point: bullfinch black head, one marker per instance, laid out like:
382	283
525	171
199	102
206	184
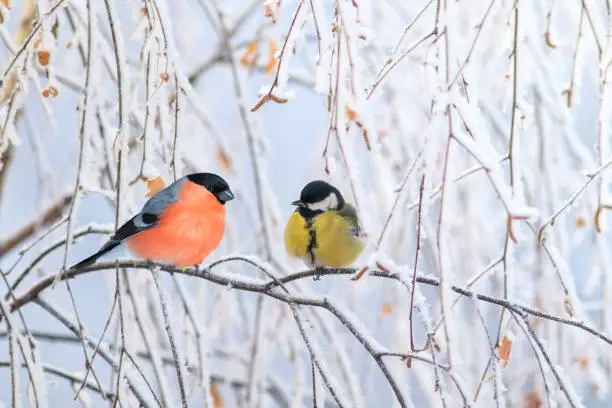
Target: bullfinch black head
318	196
213	183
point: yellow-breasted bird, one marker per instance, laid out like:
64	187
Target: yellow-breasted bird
323	230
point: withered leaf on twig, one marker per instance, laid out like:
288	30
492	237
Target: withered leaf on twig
155	186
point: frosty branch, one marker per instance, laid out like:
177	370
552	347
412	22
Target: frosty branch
268	288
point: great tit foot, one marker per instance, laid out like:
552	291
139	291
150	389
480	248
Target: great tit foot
318	273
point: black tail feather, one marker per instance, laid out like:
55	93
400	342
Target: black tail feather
90	260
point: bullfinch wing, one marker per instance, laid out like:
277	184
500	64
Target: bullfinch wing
145	219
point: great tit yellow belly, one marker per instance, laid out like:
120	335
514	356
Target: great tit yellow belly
323	230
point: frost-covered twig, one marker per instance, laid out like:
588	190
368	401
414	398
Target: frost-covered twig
267	287
107	356
270	94
565	387
178	362
329	381
164	391
255	156
479	28
83	139
14	358
392	63
71	377
590	177
42	19
92	229
416	262
252	140
48	216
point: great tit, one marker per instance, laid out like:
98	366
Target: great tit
323	230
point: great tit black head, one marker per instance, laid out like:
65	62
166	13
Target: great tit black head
319	196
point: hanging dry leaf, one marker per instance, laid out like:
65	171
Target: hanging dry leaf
267	11
49	91
568	95
223	159
216	396
583	362
504	350
548	40
386	309
597	218
155	186
271	9
580	222
350	113
272	48
43	57
532	400
249	57
366	139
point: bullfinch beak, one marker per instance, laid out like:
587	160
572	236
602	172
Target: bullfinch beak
298	203
226	195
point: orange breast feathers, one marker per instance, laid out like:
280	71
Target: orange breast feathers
187	231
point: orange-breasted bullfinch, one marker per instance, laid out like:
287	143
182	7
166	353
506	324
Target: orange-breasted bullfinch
180	225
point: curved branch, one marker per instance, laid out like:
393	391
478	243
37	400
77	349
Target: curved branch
266	287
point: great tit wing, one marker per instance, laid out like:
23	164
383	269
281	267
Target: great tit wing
350	213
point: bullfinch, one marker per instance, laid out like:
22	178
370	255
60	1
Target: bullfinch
323	230
180	225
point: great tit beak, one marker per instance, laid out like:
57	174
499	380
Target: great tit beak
226	195
298	203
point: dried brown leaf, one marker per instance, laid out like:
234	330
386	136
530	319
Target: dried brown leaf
504	350
272	62
216	396
386	309
548	40
532	400
351	114
249	58
223	159
49	92
568	95
43	57
598	216
583	362
155	186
